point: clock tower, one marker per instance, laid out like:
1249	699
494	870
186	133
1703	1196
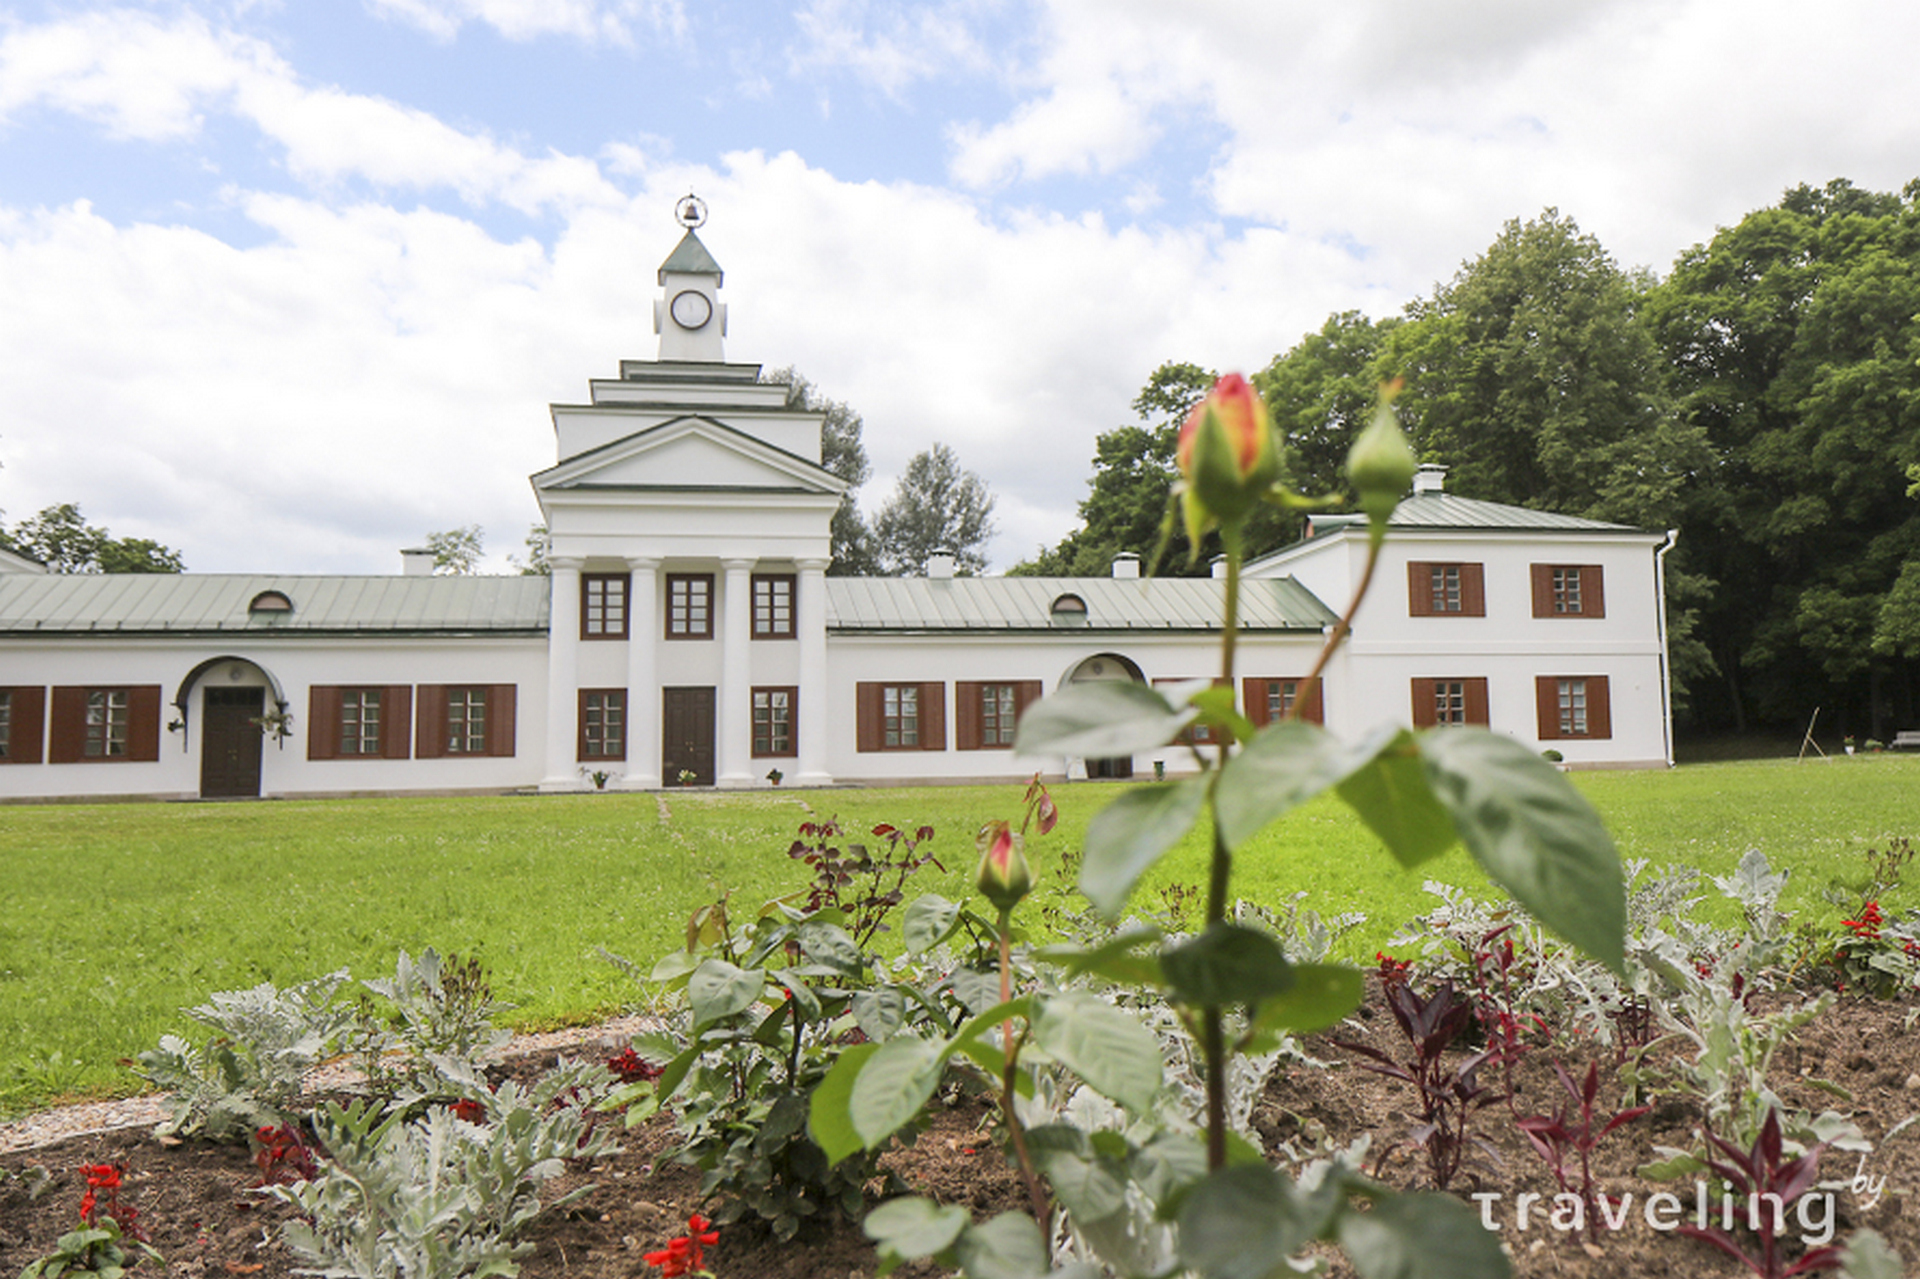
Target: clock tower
689	316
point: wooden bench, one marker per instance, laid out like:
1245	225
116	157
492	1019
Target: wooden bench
1906	739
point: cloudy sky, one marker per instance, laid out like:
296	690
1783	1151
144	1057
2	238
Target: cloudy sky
286	284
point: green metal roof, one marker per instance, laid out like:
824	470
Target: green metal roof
690	257
972	604
175	603
1450	511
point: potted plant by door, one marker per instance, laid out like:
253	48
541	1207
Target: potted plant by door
774	775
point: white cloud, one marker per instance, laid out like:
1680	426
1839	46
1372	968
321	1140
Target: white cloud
892	45
146	78
589	20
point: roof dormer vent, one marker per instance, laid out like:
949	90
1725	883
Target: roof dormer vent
1430	478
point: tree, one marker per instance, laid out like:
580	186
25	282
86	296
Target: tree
1792	339
1321	394
842	453
936	506
61	538
456	552
1133	473
1535	377
539	544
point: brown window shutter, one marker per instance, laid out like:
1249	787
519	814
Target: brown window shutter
1546	706
430	706
500	719
1419	589
966	715
1025	693
27	711
1477	700
1593	592
67	736
1424	714
580	725
143	723
793	718
1599	707
866	716
1253	700
1542	589
1473	590
396	727
323	721
933	716
1314	712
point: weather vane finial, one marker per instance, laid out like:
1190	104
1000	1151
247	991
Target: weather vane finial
691	211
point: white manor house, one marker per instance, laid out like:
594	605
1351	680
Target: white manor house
689	633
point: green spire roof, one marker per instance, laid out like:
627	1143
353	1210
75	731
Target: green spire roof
690	257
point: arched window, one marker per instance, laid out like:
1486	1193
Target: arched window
270	602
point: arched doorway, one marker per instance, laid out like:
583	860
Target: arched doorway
235	702
1107	667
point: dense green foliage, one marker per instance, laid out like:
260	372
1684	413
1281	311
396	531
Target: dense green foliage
1763	398
61	538
119	915
936	506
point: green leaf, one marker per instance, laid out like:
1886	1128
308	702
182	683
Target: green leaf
1242	1223
1393	796
879	1012
830	944
830	1114
1534	835
1321	995
929	921
1100	719
1281	768
1091	1187
1867	1256
973	988
893	1085
991	1019
718	990
1130	834
1429	1236
915	1227
1007	1247
1115	960
1227	964
1116	1055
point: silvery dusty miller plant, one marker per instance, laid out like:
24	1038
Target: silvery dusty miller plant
1232	1214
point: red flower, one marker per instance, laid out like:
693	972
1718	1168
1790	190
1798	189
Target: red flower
1867	927
1228	453
686	1254
1003	877
470	1110
632	1067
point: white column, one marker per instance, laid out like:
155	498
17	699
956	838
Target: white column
734	735
563	681
810	624
643	676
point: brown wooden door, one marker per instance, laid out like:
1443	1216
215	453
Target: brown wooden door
230	743
686	736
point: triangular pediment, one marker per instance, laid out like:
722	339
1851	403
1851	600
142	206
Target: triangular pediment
690	453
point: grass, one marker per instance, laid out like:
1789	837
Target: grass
116	916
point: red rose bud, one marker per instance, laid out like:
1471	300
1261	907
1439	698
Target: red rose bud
1003	877
1228	453
1380	463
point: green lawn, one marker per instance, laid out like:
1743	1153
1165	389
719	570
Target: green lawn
114	916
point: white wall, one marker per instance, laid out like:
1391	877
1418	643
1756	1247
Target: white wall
298	663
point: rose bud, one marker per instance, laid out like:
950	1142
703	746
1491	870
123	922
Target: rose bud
1003	877
1228	452
1380	463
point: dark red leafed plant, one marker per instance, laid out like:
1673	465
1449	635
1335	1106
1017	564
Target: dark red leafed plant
686	1255
852	880
1449	1093
283	1156
1493	964
1558	1138
469	1110
1392	971
632	1068
1767	1182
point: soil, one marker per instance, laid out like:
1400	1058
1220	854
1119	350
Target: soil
196	1200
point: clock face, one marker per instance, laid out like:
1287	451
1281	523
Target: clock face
691	310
